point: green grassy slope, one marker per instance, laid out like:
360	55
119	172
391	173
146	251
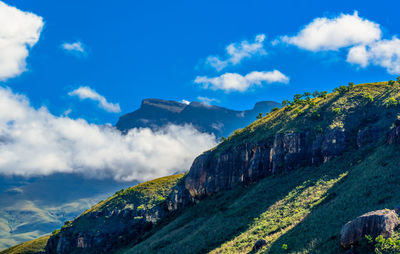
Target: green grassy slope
31	247
304	209
140	197
300	211
371	104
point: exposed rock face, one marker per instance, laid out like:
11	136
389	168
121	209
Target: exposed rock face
381	222
119	227
368	135
248	163
259	244
179	198
394	135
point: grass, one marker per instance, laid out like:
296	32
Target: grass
300	211
141	197
360	104
30	247
303	209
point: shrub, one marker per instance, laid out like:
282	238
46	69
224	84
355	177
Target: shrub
323	94
284	247
259	116
391	102
318	129
398	79
337	111
391	82
341	89
298	111
368	98
315	115
387	246
274	109
351	84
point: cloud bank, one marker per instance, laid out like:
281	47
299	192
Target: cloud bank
85	92
229	82
236	52
19	31
35	142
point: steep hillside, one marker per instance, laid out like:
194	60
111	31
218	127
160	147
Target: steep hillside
125	216
287	183
156	113
33	246
32	207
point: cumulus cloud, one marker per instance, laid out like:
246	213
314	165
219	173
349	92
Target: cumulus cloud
75	47
236	52
36	142
19	31
358	55
85	92
236	82
333	34
383	53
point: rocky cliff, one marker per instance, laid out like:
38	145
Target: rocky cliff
302	135
251	162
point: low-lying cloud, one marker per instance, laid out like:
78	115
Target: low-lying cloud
36	142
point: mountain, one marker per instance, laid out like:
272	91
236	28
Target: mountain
32	207
287	183
156	113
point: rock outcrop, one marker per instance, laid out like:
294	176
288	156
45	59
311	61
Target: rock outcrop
248	163
381	222
119	227
393	136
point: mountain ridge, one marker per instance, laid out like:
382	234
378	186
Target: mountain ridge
289	181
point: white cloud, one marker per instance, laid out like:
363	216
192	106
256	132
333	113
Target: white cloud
85	92
75	47
236	82
333	34
358	55
185	101
19	31
35	142
207	100
236	52
384	53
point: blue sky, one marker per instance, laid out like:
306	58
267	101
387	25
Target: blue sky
140	49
